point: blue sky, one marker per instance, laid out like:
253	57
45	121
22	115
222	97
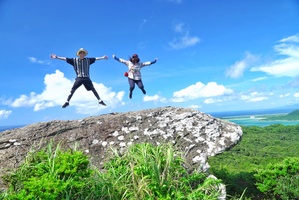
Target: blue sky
212	55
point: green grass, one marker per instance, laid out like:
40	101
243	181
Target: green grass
143	172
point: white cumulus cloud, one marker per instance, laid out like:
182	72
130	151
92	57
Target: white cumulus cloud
156	98
151	98
199	90
57	88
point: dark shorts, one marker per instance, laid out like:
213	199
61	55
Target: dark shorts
85	81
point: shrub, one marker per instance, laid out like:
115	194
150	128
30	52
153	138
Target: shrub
238	182
280	180
49	174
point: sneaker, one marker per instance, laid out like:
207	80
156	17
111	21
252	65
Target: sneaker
143	90
66	104
130	95
102	103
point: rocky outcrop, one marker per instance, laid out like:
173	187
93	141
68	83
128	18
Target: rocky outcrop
197	134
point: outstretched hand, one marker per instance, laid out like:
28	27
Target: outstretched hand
105	57
53	56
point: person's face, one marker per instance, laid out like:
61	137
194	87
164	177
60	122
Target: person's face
82	54
135	58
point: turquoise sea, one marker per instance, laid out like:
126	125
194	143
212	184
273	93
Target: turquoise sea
255	117
256	121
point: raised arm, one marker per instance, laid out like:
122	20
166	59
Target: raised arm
116	58
153	62
54	56
149	62
101	58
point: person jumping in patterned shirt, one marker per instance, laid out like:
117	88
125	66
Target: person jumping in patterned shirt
134	75
81	66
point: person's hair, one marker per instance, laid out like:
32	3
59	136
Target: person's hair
133	56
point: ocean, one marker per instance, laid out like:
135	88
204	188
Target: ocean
4	128
254	117
256	121
242	118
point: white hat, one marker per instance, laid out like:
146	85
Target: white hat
82	50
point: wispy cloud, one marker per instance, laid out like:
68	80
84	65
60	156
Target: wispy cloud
5	113
211	100
199	90
293	38
294	83
143	22
35	60
175	1
259	79
184	39
284	95
156	98
288	65
56	90
254	97
194	106
237	69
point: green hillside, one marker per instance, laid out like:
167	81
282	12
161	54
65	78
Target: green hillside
259	147
294	115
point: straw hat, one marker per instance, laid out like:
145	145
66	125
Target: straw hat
82	50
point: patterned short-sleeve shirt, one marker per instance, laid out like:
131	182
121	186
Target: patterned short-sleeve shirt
81	66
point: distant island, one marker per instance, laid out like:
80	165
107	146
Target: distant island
292	116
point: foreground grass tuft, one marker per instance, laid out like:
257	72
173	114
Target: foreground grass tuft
148	172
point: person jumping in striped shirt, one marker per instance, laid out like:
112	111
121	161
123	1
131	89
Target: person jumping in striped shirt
81	66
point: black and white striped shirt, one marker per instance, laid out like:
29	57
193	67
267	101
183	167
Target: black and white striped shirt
81	66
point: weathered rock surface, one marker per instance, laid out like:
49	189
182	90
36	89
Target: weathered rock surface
198	134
